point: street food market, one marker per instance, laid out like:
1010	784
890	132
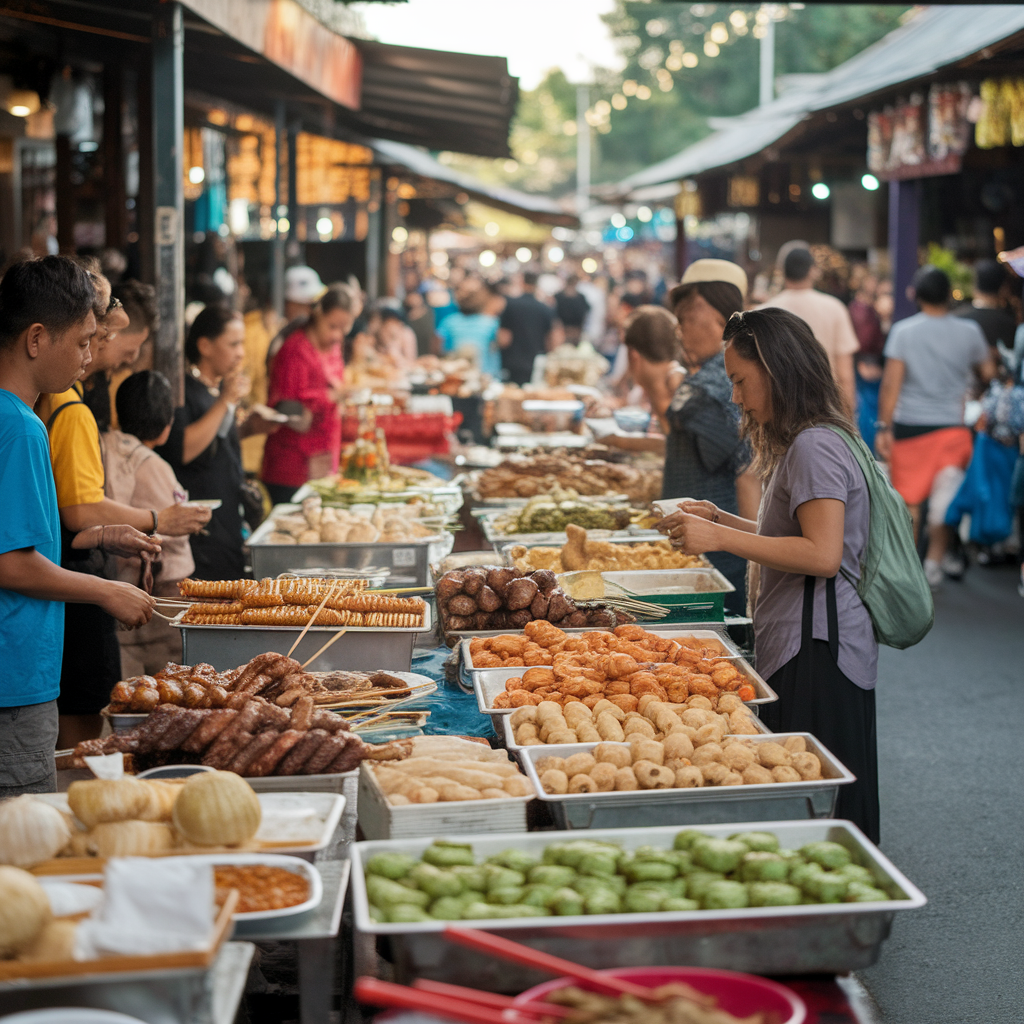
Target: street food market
510	515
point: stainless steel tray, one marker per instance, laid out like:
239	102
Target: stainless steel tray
646	807
829	938
407	561
645	537
510	738
361	649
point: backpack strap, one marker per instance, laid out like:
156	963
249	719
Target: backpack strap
60	408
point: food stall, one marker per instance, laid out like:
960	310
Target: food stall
555	741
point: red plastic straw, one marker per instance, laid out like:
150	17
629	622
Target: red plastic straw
505	949
475	995
383	993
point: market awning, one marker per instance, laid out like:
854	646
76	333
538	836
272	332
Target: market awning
533	207
432	98
936	38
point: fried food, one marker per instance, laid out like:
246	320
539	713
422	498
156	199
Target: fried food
579	552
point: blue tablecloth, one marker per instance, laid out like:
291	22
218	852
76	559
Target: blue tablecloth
452	710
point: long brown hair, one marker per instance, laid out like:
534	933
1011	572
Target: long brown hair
802	387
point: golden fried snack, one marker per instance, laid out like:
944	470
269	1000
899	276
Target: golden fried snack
582	784
774	755
194	619
783	773
625	780
738	756
554	781
222	589
755	775
807	764
653	776
290	615
795	744
603	774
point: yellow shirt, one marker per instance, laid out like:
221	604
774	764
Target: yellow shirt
257	342
74	448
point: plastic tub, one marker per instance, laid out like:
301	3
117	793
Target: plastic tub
742	995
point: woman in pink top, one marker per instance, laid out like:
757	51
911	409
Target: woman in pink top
305	378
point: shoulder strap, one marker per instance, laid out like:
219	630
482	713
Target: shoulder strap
60	409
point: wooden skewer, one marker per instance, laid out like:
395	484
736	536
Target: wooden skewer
322	649
305	629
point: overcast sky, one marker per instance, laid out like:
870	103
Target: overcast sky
535	35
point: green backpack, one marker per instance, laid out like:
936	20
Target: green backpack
892	581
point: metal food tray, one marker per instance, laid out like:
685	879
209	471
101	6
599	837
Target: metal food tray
407	561
510	738
649	537
449	496
645	807
556	538
361	649
488	683
831	938
379	820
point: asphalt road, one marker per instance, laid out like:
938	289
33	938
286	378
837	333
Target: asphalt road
951	739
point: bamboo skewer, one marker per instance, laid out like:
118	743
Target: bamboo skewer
322	649
305	629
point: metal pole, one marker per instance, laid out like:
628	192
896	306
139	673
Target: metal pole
582	149
280	199
168	145
767	91
904	232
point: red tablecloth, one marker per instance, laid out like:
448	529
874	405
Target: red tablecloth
411	436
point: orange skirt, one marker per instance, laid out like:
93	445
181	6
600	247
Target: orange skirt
916	461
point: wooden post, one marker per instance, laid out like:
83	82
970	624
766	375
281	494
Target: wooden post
145	209
280	200
115	212
168	113
65	197
904	232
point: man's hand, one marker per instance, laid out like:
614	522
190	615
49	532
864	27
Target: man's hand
129	605
127	542
179	520
693	534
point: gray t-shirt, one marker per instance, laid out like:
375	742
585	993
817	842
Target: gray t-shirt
818	465
940	353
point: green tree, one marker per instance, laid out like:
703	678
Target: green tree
688	62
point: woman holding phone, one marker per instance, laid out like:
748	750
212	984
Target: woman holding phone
815	642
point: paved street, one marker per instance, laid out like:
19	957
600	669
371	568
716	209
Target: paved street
951	720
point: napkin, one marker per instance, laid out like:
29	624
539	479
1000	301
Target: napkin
106	766
150	905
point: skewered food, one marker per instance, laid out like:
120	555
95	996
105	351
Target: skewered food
579	552
250	737
273	676
499	597
295	602
587	876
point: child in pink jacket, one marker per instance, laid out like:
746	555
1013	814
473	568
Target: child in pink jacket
137	476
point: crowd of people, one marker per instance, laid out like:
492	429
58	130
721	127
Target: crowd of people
117	491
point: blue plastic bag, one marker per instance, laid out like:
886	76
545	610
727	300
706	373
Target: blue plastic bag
985	493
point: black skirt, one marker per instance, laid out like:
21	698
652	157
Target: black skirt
815	697
91	666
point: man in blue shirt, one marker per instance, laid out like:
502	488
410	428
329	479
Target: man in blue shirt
46	321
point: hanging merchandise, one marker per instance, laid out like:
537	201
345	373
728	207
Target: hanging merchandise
879	139
908	148
1001	114
949	131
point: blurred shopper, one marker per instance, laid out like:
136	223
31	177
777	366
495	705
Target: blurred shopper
305	383
137	476
571	308
302	288
421	319
46	321
596	294
524	332
139	303
987	310
826	315
868	362
472	332
92	656
815	641
931	358
396	341
203	447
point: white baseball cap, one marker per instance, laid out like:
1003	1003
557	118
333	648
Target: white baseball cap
303	284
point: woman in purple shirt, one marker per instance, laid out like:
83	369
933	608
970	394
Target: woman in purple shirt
815	642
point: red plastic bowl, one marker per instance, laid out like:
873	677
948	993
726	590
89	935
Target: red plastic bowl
738	994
